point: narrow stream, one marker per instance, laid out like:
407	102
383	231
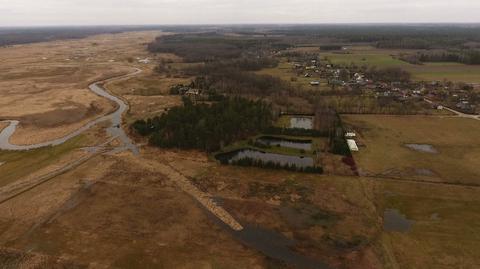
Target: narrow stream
115	129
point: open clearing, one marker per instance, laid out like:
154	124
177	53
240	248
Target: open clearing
385	152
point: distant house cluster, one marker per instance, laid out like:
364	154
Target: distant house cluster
459	96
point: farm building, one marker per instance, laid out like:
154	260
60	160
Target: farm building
352	145
315	83
350	134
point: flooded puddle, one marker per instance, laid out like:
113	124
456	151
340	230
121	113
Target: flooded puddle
394	221
301	122
286	143
232	157
422	148
435	216
424	172
114	130
277	246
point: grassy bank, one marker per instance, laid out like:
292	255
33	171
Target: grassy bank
18	164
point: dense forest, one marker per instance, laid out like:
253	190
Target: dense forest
406	36
206	127
209	47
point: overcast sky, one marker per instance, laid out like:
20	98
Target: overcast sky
110	12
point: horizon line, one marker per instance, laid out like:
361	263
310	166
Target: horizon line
240	24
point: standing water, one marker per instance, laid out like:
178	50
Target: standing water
286	143
394	221
301	122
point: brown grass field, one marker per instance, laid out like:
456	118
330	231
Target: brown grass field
123	211
385	154
445	216
445	229
44	85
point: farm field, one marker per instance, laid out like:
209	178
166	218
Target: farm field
429	71
454	142
444	230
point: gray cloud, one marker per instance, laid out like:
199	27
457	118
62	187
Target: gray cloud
94	12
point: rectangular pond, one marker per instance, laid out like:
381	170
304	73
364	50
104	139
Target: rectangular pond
283	160
287	143
301	122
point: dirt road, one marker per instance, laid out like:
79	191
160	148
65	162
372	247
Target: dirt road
458	113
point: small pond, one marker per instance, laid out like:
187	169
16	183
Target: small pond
394	221
299	161
301	122
287	143
422	148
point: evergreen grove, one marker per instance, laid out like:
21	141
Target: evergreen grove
207	127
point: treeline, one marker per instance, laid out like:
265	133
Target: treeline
388	35
23	35
296	132
392	74
206	127
465	57
331	47
406	43
372	105
246	161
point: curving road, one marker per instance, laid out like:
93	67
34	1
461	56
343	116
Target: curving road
115	130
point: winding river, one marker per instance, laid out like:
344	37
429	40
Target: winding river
114	130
